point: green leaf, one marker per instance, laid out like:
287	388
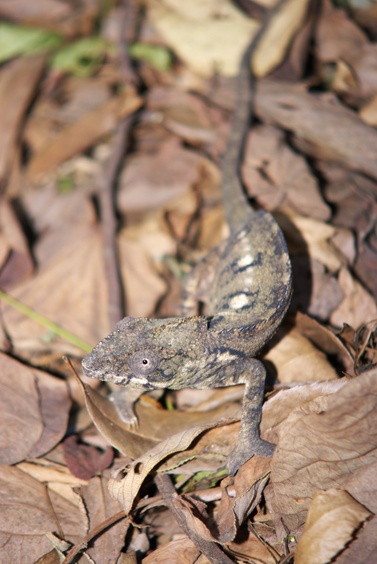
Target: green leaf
158	57
18	40
81	58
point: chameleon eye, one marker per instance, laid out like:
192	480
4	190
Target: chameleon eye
144	362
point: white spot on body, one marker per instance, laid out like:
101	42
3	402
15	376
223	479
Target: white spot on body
239	301
226	357
246	260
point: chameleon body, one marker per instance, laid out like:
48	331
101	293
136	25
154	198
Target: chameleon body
250	290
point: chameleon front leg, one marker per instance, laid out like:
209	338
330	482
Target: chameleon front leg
250	443
124	400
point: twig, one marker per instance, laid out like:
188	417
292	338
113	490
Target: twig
82	545
210	549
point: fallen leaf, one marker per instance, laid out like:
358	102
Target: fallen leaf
126	489
28	512
60	291
333	518
320	445
101	506
80	135
181	550
298	360
363	550
357	307
84	461
323	127
18	81
277	176
34	401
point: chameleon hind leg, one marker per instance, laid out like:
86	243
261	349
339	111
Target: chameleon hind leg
250	443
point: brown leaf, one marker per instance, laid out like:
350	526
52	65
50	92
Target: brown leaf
70	289
363	550
357	307
126	489
28	511
100	506
321	444
181	550
333	517
80	135
34	401
323	128
299	361
247	489
56	15
149	181
276	175
84	461
18	81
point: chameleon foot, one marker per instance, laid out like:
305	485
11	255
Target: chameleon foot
125	410
243	453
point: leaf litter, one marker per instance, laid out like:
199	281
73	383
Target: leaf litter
311	161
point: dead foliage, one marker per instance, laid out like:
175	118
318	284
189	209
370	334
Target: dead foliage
74	478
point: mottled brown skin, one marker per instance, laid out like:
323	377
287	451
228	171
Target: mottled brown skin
249	294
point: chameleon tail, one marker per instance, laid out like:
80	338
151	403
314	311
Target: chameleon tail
236	204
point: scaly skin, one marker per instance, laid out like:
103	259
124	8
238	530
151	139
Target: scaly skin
249	296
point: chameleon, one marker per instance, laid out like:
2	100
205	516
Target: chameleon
248	293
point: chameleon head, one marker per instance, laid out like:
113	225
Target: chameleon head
147	353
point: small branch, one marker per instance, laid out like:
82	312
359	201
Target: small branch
82	545
210	549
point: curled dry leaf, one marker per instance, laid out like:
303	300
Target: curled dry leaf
321	444
126	489
155	424
30	400
247	489
333	517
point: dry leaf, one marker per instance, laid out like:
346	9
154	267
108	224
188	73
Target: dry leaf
80	135
363	550
276	175
28	512
181	550
149	181
101	506
207	36
69	290
358	305
323	128
299	361
126	489
34	401
321	444
333	517
18	81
